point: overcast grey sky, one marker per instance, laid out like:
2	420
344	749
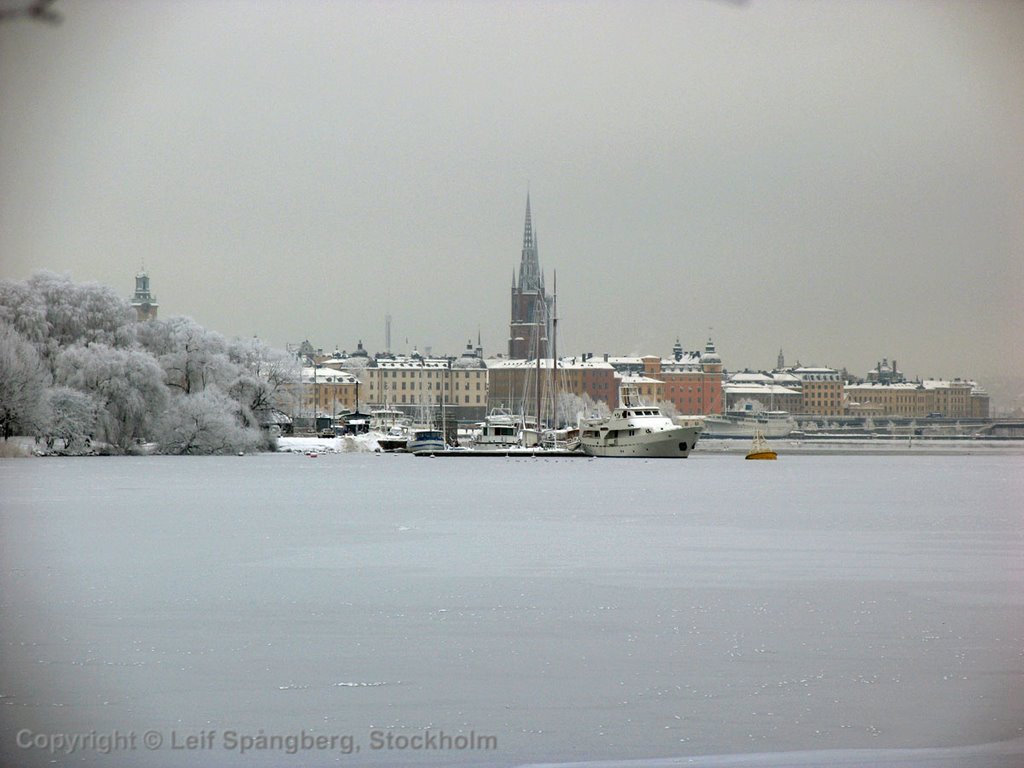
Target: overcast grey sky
844	180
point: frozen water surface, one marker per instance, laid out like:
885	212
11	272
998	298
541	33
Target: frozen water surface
818	610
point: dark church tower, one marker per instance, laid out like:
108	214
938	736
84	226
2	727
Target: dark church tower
144	302
531	306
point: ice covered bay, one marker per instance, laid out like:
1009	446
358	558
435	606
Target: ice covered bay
576	610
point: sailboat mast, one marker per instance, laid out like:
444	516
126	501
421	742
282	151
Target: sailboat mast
537	330
554	356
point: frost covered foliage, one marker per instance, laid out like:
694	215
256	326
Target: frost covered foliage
127	385
572	407
71	417
207	422
23	379
76	368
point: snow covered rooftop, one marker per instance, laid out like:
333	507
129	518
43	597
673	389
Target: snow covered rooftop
412	362
748	378
904	385
758	389
327	376
635	378
947	384
565	363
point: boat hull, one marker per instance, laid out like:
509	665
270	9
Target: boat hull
763	455
673	443
428	441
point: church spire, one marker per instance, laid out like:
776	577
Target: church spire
531	319
530	278
528	228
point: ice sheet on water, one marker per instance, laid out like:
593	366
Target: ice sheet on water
580	610
1003	754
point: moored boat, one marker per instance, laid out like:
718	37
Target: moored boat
760	449
425	440
392	428
747	423
636	430
502	429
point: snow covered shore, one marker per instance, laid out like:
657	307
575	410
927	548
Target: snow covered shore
366	443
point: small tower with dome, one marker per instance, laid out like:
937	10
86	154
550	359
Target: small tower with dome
710	362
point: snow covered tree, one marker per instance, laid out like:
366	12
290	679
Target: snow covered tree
82	313
127	385
70	417
116	378
668	408
23	380
572	406
23	309
203	423
192	357
264	374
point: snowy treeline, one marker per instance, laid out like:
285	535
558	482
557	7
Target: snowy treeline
75	366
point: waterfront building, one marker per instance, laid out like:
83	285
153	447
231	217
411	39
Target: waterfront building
747	395
512	384
979	403
872	398
323	391
950	399
412	380
420	384
532	309
468	384
692	380
821	391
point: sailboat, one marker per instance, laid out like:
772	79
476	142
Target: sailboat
760	449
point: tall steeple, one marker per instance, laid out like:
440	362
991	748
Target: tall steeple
530	278
532	309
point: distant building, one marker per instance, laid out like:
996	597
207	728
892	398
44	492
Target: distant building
755	392
532	309
324	391
419	384
692	380
143	302
884	373
821	391
512	384
802	390
650	390
954	399
872	398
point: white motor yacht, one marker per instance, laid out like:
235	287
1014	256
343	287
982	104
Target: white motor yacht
636	430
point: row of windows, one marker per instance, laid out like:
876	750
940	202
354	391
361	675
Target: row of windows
465	399
430	373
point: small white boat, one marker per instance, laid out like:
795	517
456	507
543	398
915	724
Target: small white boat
502	429
747	423
392	427
636	430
